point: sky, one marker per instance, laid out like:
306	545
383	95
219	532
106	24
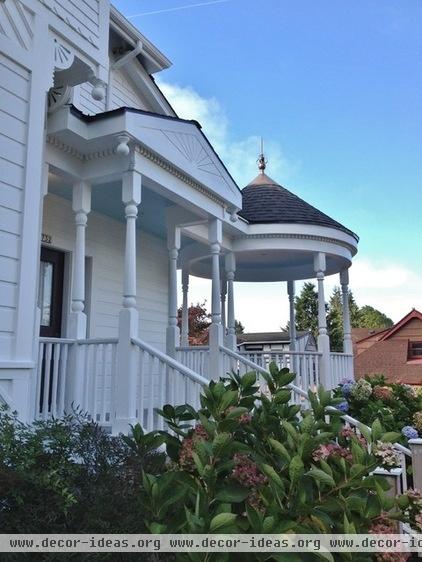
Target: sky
335	89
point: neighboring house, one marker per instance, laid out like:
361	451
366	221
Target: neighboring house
106	193
275	342
395	352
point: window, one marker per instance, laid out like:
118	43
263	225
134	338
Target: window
415	350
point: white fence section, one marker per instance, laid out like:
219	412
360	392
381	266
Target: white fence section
241	364
99	360
52	373
195	357
56	363
306	365
341	367
163	380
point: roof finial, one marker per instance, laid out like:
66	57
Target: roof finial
262	162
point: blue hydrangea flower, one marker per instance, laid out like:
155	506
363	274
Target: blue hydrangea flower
410	432
347	388
343	406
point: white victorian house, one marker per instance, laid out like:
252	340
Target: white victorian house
105	194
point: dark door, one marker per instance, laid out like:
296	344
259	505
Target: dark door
51	292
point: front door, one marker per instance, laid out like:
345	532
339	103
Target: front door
51	292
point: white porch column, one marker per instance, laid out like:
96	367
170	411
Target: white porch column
292	315
230	264
128	318
216	329
292	325
173	333
323	338
184	338
81	205
223	304
347	336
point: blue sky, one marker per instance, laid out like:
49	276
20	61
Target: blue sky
335	89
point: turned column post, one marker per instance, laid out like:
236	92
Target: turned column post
127	354
323	338
173	333
215	329
184	338
223	304
347	335
292	324
230	265
81	206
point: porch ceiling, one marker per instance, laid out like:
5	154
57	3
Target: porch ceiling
272	265
107	200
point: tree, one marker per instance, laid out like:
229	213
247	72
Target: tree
306	306
199	320
239	328
370	317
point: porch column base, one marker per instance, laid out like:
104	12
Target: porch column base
172	340
126	374
76	381
216	360
325	364
415	446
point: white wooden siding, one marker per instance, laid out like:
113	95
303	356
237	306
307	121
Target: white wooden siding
85	102
14	95
124	93
83	16
105	244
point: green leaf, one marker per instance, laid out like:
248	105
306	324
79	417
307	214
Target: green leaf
249	379
366	432
282	396
236	413
280	449
390	437
272	475
284	379
296	469
222	520
232	493
254	518
220	441
268	524
377	430
228	399
321	476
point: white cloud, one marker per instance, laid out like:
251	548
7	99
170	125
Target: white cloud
239	155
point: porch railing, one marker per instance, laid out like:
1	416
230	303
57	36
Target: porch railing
341	367
162	380
195	357
52	374
306	365
57	364
100	365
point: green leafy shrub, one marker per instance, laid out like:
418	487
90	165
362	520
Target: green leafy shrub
397	406
246	462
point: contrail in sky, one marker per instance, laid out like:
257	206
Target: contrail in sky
198	5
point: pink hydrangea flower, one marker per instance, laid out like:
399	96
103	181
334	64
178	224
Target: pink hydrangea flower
331	449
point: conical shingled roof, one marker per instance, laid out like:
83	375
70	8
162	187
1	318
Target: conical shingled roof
266	201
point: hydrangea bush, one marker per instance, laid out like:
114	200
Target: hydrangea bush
398	406
246	461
